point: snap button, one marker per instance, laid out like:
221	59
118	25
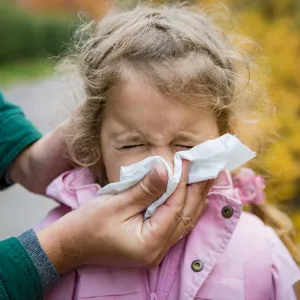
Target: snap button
197	265
227	212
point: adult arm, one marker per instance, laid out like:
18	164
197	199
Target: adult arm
110	229
25	270
16	134
107	228
25	157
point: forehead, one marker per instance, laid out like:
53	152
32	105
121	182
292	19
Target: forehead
139	96
137	106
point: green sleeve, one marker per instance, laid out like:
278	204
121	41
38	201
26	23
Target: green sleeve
16	133
19	279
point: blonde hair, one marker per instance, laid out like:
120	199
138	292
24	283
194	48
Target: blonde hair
180	52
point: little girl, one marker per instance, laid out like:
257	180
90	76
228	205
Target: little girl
158	81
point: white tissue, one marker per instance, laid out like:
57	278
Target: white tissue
207	161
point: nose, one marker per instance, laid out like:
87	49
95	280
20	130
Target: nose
167	154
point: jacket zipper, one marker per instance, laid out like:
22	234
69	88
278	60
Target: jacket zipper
154	295
168	258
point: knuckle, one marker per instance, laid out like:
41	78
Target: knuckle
178	215
199	187
187	222
145	189
183	183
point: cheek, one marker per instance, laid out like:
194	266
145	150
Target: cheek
112	169
114	160
111	164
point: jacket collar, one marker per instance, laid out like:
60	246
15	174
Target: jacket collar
211	235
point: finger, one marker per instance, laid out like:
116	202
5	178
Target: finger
196	202
158	229
177	199
209	185
194	198
169	243
181	230
142	195
165	220
204	203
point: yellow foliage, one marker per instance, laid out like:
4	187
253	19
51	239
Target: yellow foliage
279	37
296	219
283	172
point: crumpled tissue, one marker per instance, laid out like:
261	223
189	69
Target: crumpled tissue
208	159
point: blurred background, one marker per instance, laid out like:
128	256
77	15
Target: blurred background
34	33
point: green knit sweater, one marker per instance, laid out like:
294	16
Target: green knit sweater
19	278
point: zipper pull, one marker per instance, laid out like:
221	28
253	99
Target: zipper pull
153	296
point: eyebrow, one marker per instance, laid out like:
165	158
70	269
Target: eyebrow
185	135
189	137
126	137
132	137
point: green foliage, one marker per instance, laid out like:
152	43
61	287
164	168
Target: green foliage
27	36
23	71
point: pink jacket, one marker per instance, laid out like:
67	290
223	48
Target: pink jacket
229	255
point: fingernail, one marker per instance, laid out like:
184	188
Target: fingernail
159	178
186	164
160	171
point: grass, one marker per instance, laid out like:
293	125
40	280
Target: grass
25	71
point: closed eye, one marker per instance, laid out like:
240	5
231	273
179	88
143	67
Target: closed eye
184	146
131	146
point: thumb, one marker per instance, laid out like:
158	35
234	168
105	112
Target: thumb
148	190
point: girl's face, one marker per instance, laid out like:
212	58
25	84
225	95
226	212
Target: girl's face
139	122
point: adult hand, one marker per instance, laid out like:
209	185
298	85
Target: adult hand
41	163
112	228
